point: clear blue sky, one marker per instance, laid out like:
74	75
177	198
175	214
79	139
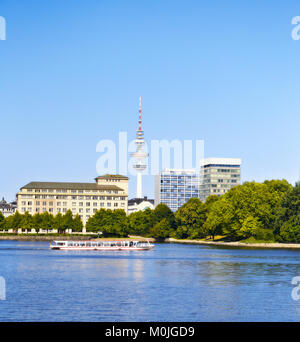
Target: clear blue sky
71	73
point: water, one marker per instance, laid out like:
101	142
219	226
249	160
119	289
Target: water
173	282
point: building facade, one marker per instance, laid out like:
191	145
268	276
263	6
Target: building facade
174	187
218	175
7	209
84	199
140	204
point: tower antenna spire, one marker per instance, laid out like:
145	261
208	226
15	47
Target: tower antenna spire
139	155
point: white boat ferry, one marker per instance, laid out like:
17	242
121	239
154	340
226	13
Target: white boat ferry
102	245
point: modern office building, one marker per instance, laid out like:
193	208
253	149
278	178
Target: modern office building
174	187
108	192
218	175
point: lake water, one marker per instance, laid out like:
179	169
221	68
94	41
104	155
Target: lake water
173	282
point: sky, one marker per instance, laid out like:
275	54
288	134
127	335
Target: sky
71	73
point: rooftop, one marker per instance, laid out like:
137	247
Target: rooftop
134	201
112	176
69	186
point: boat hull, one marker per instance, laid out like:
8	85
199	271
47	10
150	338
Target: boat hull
101	246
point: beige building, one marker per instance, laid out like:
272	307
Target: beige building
108	192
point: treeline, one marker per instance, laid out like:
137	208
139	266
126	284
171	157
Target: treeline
268	211
44	221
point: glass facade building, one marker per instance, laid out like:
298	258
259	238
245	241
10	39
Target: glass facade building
175	187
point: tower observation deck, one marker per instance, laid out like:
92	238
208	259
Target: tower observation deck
139	155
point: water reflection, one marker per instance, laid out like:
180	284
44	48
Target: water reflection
171	283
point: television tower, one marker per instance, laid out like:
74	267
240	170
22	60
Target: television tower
139	155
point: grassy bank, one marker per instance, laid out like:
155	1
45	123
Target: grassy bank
238	244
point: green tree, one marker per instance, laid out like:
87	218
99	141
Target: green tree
27	221
37	220
13	221
110	223
47	221
288	221
140	222
58	223
2	221
190	219
77	224
211	200
219	217
161	230
67	221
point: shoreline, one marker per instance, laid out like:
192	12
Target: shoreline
68	237
271	245
236	244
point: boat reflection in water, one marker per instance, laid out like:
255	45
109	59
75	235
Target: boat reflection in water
114	245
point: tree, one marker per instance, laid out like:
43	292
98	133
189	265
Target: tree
2	221
27	221
77	224
211	200
288	220
67	221
47	221
190	219
219	217
161	230
140	222
58	223
37	221
110	223
13	221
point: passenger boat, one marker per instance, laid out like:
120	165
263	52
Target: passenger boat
102	245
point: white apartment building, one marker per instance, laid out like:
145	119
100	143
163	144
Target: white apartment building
108	192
